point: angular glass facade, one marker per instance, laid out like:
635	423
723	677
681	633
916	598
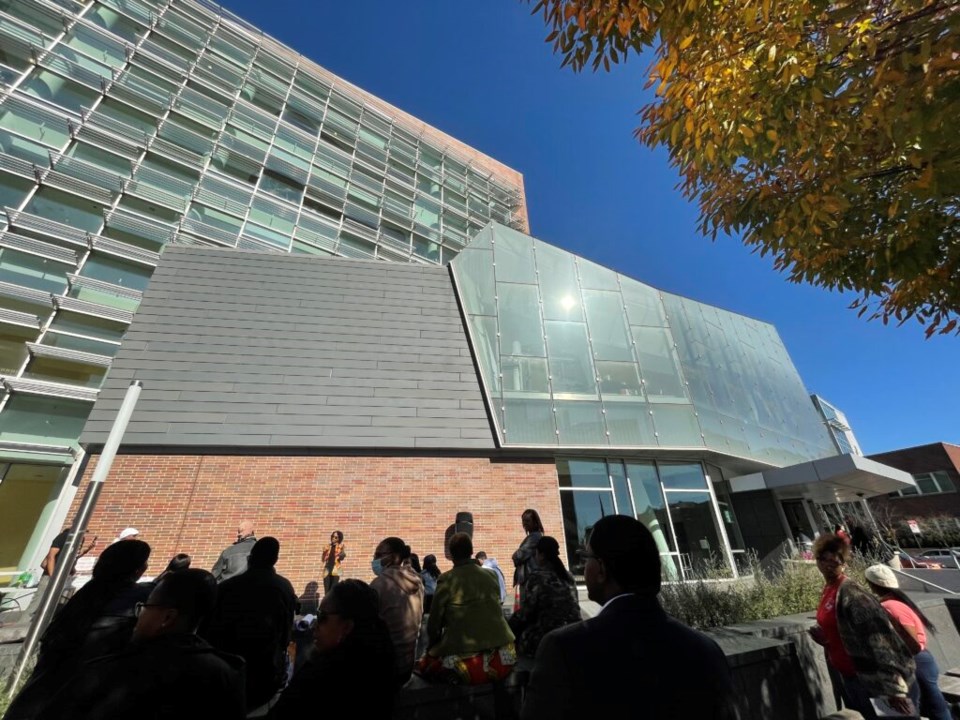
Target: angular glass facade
575	355
126	125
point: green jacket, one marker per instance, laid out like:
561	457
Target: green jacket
466	616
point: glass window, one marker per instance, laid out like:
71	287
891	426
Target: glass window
682	477
12	349
484	335
281	186
519	314
581	510
87	325
529	422
643	304
24	149
60	371
117	272
926	484
32	271
125	115
618	379
13	190
35	123
659	364
583	474
569	354
581	423
114	22
514	253
71	342
721	489
100	158
522	375
474	273
650	508
676	425
67	209
608	329
32	418
558	282
695	526
621	487
596	277
60	91
630	424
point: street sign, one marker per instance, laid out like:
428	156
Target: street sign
914	527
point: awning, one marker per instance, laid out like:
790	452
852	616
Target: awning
839	478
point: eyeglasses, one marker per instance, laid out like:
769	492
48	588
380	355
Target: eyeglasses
141	606
324	614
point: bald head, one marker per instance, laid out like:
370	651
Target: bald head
244	529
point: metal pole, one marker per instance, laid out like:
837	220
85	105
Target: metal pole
67	557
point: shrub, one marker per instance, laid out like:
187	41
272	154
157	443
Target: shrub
796	588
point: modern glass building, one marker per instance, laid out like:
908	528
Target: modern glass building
127	126
838	426
186	201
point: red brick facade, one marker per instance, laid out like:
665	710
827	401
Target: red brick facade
192	503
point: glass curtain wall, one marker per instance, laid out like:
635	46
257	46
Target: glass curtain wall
675	501
129	124
575	355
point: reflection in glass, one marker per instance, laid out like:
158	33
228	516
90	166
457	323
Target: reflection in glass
581	510
698	538
608	329
618	379
485	346
529	422
583	473
558	283
686	476
721	489
525	375
659	364
474	271
651	511
621	490
580	423
520	330
569	355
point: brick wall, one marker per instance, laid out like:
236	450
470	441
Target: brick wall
192	504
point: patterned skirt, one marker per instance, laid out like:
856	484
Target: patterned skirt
472	669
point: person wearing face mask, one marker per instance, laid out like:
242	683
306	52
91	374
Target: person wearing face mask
400	591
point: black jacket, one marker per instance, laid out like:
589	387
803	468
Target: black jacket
253	618
233	560
173	677
631	660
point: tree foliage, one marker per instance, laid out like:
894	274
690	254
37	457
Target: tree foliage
825	133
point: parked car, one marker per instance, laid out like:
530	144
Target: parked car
912	563
949	557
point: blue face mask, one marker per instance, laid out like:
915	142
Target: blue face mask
376	566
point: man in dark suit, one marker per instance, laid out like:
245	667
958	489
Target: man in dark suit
632	659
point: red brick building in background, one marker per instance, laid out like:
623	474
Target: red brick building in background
192	504
934	502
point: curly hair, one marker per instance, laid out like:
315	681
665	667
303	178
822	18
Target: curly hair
828	542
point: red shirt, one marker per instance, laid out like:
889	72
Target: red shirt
827	620
906	617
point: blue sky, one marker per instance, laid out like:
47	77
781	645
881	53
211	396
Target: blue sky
481	72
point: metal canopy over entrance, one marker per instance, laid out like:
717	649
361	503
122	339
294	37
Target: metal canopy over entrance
835	479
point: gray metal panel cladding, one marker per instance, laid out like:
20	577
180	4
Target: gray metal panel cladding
246	350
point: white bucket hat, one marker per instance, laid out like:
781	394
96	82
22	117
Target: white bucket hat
882	576
128	532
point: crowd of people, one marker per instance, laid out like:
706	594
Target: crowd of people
197	644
